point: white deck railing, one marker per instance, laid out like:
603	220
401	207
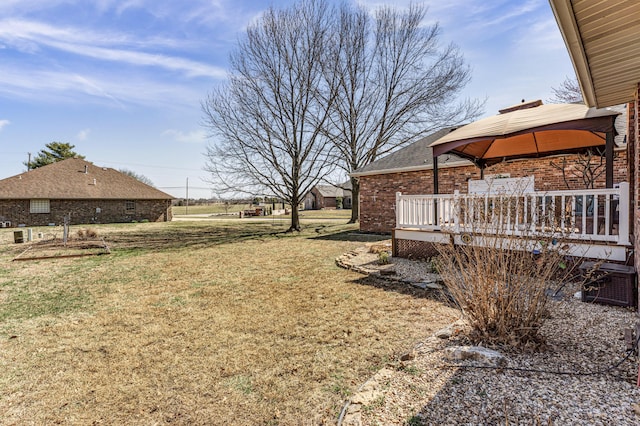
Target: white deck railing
590	214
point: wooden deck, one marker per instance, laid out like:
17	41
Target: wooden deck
590	223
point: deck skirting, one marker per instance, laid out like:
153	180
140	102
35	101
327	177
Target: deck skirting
421	244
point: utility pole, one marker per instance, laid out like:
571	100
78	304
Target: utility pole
187	200
29	161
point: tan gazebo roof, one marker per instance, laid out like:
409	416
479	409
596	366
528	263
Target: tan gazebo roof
534	131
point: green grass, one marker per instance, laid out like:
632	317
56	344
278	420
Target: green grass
213	208
25	303
218	209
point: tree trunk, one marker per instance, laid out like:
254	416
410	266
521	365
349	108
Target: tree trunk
355	200
295	216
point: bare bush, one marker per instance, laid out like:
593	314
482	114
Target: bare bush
86	234
498	280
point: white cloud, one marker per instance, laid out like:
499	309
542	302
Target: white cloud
63	87
31	36
194	136
4	123
83	134
546	35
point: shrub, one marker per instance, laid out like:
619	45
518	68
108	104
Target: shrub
499	282
85	234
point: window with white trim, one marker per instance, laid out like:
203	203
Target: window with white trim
39	206
130	206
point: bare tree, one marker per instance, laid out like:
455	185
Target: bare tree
268	119
568	92
584	170
395	85
142	178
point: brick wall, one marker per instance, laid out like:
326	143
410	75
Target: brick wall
634	141
85	212
378	192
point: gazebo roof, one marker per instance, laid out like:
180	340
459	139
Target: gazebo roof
534	130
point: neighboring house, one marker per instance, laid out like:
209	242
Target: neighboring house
410	171
85	192
326	197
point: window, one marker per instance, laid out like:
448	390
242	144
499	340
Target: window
130	206
39	206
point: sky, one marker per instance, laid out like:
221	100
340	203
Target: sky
123	80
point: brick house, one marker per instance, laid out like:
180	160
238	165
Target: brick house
410	171
326	197
86	192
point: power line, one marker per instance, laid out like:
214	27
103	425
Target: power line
182	187
145	165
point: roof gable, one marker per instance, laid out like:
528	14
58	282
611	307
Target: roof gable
331	191
75	178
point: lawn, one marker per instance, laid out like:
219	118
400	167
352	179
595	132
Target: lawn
218	209
198	323
211	208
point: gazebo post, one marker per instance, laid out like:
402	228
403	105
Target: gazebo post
436	190
608	152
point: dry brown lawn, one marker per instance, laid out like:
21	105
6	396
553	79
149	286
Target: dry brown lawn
191	323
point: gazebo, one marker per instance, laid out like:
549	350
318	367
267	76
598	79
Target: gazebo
595	221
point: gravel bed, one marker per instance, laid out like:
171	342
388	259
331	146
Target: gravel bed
576	387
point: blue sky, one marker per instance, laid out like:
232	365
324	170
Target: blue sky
122	80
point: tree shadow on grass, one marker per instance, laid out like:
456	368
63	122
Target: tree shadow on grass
189	237
349	236
403	288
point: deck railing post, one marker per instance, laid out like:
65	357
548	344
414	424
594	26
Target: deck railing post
456	211
623	214
399	210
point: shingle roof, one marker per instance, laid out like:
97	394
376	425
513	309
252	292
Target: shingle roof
67	180
330	191
417	156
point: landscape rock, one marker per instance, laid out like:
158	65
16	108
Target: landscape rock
370	391
408	356
430	285
387	270
476	353
451	330
444	333
434	285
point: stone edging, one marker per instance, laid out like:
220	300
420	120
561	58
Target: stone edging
370	390
386	272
